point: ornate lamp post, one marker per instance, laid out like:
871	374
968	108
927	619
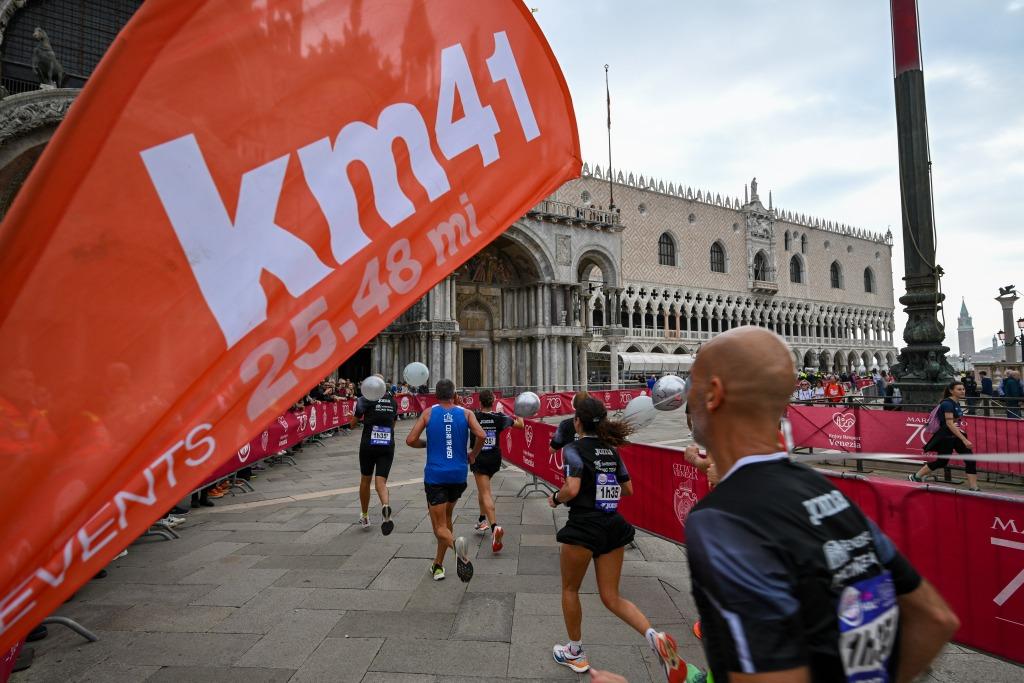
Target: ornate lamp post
922	368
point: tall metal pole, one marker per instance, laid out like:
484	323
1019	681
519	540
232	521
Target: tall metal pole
922	369
611	190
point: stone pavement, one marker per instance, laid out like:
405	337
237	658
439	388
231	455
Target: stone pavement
279	585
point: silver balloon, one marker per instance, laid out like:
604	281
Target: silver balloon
416	374
669	393
527	404
639	412
373	388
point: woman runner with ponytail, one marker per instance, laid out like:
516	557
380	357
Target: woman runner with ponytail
595	478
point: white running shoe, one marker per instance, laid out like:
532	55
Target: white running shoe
482	526
364	522
463	567
564	656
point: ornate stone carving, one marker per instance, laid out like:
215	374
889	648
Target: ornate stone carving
24	112
563	250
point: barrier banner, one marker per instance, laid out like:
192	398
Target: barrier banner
854	429
971	547
9	658
242	196
665	486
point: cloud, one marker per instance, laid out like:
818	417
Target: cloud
1015	6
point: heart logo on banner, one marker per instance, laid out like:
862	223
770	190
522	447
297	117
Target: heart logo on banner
844	421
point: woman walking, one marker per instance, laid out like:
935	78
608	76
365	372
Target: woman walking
595	480
950	438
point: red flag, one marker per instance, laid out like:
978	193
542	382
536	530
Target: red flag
239	199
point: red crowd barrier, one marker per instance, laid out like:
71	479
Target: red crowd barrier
8	659
970	546
854	429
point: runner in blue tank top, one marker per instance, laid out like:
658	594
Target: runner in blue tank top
448	427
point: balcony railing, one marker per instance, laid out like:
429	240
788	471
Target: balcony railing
564	212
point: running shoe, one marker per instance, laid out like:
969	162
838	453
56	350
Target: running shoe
496	535
482	526
914	477
364	522
564	656
437	571
676	670
387	526
463	567
698	632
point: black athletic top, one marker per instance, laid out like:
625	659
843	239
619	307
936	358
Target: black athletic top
948	405
565	433
601	472
378	424
787	572
493	425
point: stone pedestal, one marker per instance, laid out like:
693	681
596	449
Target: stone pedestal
1009	325
614	335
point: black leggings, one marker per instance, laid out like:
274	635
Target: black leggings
948	446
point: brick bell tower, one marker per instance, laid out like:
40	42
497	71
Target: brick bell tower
965	330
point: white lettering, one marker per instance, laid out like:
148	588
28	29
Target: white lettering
227	258
88	540
191	444
326	170
44	574
825	505
121	498
15	599
1010	526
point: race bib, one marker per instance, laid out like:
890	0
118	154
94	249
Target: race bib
868	619
380	436
490	438
606	498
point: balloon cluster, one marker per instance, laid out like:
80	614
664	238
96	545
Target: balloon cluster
669	393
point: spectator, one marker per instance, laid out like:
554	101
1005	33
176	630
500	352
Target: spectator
651	381
971	387
834	390
986	385
805	392
1013	391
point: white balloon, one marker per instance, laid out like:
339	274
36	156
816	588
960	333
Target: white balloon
527	404
416	374
669	393
373	388
639	412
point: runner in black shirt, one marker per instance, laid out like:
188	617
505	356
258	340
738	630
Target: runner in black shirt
376	453
595	480
488	463
792	581
565	433
950	438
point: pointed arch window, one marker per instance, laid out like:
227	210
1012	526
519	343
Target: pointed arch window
796	270
717	258
787	240
869	281
837	275
803	244
666	250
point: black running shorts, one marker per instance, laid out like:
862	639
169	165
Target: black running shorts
598	532
370	460
486	463
439	494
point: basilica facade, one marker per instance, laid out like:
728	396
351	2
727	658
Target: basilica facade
574	284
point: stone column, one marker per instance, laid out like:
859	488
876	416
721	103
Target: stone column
1009	325
582	374
567	375
436	360
613	336
546	293
538	363
667	316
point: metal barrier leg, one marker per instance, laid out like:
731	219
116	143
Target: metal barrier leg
165	533
73	625
536	486
860	467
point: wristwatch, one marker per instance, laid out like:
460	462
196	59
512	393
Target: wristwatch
554	498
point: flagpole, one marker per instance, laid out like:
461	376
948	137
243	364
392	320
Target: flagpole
608	93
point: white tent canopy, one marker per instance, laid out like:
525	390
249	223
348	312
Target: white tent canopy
655	363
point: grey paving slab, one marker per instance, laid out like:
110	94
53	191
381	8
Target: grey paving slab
266	536
264	611
206	554
176	618
338	659
58	659
399	574
303	562
538	560
447	657
496	565
221	571
113	672
405	624
485	616
323	532
186	649
534	661
244	586
659	550
516	584
438	596
277	549
325	578
288	644
136	593
351	598
219	674
625	660
378	677
371	556
599	627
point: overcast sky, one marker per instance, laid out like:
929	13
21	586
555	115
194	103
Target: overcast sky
800	94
